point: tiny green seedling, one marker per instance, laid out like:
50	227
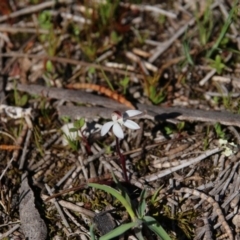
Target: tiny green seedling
115	38
49	66
180	126
19	100
218	64
218	129
169	130
124	83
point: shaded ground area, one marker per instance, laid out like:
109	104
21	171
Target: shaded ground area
66	66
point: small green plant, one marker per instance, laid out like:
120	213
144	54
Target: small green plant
49	66
151	89
169	130
156	97
71	132
137	214
107	11
19	100
180	126
218	64
115	38
124	83
44	20
218	129
205	24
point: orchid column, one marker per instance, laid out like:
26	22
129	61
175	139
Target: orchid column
119	120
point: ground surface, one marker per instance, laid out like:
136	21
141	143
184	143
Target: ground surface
176	61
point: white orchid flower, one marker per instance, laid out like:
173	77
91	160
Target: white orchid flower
118	120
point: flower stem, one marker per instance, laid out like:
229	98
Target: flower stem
122	160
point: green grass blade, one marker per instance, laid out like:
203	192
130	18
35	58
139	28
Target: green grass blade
187	53
138	233
119	230
154	226
223	31
92	233
142	204
117	195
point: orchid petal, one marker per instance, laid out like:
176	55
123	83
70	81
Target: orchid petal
132	113
106	127
117	130
131	124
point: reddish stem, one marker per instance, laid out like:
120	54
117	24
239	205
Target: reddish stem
85	140
122	160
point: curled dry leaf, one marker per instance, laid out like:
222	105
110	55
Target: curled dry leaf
33	226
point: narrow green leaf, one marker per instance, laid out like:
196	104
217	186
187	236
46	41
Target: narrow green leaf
154	226
138	233
92	233
119	230
154	197
187	53
124	193
142	204
117	195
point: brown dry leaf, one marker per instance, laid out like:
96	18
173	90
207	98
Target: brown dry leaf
33	226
